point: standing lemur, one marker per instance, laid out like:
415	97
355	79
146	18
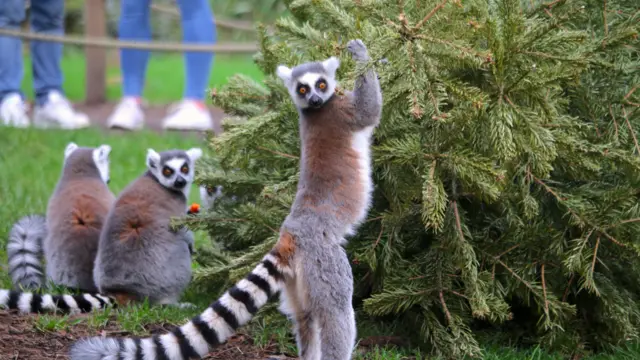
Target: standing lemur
68	236
139	255
307	266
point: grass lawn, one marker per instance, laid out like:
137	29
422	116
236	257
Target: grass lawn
32	160
165	75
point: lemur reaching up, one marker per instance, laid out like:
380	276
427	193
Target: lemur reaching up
307	266
68	236
138	256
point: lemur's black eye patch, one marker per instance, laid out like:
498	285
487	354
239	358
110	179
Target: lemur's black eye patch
302	89
321	84
167	171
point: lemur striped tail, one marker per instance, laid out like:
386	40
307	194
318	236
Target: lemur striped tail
24	251
197	337
27	302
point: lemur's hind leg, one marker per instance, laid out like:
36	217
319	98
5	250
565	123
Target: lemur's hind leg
305	326
367	96
307	336
338	334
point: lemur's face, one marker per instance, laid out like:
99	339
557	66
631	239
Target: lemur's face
310	84
208	194
174	169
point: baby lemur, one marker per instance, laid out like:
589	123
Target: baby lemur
75	214
140	256
307	266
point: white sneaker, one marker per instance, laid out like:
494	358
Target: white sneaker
57	112
188	115
127	115
13	111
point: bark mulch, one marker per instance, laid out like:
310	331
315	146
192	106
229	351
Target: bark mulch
21	340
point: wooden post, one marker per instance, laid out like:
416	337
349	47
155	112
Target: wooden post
95	25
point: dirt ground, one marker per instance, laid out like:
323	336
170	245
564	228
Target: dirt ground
20	340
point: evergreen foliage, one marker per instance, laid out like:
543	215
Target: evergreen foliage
506	166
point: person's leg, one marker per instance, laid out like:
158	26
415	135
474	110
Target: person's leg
134	24
12	13
52	108
47	16
12	106
198	27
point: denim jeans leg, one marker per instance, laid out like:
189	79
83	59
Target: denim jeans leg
12	13
47	17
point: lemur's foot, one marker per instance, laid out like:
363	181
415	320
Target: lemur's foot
358	50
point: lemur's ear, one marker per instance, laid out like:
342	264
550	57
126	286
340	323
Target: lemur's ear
71	147
194	154
331	65
284	73
104	151
153	158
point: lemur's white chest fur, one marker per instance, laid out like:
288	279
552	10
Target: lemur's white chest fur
361	144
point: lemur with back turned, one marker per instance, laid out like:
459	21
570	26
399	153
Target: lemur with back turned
308	266
68	236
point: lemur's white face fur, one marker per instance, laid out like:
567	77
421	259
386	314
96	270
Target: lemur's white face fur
100	157
208	194
174	169
310	84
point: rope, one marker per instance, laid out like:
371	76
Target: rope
229	24
139	45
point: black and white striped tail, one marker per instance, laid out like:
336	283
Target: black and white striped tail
196	338
27	302
24	252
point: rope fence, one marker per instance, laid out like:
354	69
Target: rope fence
128	44
95	41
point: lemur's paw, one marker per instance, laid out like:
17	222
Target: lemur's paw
358	50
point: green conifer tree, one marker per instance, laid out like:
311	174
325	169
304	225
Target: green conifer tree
506	166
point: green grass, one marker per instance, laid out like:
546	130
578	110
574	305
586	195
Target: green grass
164	81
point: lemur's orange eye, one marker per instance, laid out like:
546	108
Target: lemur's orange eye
322	86
302	90
167	171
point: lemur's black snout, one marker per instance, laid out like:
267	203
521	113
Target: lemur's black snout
315	101
180	183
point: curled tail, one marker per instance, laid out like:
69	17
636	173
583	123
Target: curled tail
27	302
197	337
24	251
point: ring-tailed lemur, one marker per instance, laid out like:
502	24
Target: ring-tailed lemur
140	256
209	194
308	265
75	214
24	251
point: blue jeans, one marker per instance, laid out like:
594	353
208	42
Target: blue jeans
197	27
47	16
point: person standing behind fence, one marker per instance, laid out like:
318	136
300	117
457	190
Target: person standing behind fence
197	27
52	109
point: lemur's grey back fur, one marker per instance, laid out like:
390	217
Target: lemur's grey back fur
75	214
308	265
24	251
140	256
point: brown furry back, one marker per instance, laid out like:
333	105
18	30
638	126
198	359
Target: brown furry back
75	215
